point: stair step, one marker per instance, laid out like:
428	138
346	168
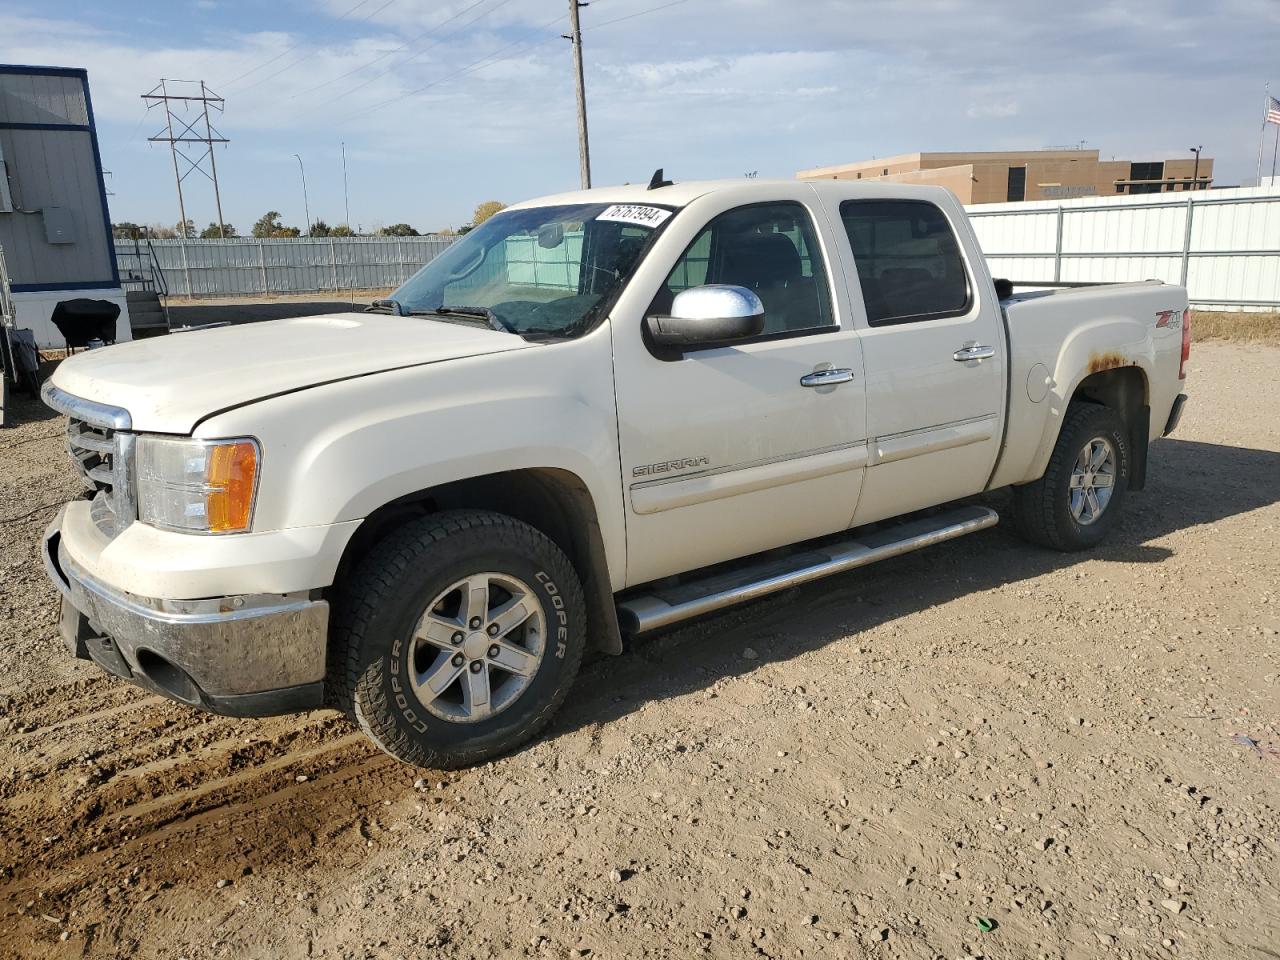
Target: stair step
148	321
663	606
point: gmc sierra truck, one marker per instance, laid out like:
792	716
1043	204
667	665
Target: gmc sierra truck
595	415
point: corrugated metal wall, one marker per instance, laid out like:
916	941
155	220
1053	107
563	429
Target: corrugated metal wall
50	160
1224	245
251	267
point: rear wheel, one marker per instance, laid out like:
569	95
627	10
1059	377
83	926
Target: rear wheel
457	638
1074	505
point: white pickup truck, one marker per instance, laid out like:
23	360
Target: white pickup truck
595	415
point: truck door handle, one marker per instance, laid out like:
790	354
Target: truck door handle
975	352
826	378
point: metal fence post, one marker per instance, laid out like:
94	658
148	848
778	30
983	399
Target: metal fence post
262	264
399	262
186	267
1057	250
1186	242
333	262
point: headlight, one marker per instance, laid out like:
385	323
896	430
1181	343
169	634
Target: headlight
199	486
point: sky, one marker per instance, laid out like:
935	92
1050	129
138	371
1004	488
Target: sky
442	104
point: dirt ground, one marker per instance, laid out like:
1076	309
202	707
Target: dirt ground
1081	753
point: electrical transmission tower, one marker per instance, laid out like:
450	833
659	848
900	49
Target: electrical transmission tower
191	113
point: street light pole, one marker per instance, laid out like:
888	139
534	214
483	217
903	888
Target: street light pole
306	206
346	206
1195	175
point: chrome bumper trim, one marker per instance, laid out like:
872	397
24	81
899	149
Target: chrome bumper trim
227	646
117	418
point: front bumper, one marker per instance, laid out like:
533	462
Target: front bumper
242	656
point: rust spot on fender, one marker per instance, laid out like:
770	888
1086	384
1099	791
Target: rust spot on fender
1106	361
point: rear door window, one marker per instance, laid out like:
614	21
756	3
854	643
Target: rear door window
908	260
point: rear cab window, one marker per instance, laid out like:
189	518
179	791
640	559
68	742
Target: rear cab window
908	259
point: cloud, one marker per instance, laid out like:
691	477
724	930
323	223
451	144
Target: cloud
1007	109
443	102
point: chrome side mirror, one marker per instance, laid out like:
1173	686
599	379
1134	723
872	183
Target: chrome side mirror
709	315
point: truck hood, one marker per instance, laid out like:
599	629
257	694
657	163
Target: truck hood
168	384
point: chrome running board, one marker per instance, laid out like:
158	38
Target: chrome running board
667	605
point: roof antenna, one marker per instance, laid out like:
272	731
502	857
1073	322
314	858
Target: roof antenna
657	181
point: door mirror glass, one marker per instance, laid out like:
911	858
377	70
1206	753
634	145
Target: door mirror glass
708	315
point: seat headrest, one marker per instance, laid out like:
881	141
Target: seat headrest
755	260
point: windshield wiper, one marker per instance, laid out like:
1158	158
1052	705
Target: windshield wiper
484	313
386	305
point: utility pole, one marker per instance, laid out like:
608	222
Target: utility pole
1195	174
182	144
346	207
305	205
575	37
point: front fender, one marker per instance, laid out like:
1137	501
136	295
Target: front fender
338	452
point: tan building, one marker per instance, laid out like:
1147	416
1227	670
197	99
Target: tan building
1004	176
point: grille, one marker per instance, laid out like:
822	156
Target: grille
93	450
102	450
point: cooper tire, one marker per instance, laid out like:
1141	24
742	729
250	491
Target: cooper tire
1045	510
380	653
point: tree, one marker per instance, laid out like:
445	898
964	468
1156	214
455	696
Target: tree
124	230
186	228
211	232
320	229
268	225
486	210
399	230
158	231
342	230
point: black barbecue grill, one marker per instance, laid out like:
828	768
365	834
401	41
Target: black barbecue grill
82	320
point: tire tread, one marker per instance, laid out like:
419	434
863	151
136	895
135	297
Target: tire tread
358	691
1035	504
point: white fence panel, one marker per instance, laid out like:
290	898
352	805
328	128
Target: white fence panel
1224	245
280	265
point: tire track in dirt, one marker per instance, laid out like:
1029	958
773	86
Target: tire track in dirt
108	807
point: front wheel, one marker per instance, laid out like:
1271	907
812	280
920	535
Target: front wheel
1075	503
457	638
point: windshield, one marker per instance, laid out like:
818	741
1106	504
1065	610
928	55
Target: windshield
538	271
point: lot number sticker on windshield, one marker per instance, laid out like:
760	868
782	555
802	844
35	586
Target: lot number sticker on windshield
634	213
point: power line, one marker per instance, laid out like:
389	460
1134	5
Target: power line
424	50
494	58
389	53
472	67
632	16
289	66
292	47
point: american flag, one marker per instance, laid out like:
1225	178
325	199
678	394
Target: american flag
1273	110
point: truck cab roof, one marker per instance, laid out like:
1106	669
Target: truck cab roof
684	193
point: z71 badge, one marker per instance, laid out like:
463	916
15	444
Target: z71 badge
1169	318
666	466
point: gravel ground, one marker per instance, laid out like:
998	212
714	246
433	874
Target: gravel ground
984	735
